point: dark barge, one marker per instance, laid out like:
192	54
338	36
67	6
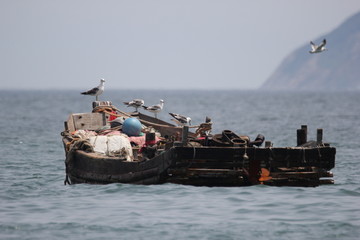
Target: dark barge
170	154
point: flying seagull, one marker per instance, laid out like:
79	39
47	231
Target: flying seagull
96	91
136	103
180	119
318	48
155	108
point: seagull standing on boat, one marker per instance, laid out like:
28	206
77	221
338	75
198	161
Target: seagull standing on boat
155	108
180	119
96	91
318	48
136	103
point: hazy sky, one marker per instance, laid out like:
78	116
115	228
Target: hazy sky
156	44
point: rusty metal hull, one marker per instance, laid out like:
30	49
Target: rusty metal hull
239	166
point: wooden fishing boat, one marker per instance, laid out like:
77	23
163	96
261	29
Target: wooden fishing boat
171	154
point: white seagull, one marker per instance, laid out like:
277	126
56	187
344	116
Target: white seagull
136	103
180	119
318	48
155	108
96	91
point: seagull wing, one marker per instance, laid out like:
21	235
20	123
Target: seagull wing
313	46
180	118
154	108
138	102
174	115
91	91
129	104
322	44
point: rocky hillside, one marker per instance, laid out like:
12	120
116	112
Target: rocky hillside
335	69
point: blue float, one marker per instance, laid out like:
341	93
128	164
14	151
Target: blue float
132	127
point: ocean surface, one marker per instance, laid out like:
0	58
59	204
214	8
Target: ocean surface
35	203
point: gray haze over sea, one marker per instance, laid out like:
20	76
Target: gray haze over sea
35	204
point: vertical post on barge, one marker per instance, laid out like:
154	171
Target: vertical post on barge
302	135
319	135
184	136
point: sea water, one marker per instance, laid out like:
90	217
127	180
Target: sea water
35	203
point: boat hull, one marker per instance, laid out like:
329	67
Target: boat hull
83	167
239	166
208	166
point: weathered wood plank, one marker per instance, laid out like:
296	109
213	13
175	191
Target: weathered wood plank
89	121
